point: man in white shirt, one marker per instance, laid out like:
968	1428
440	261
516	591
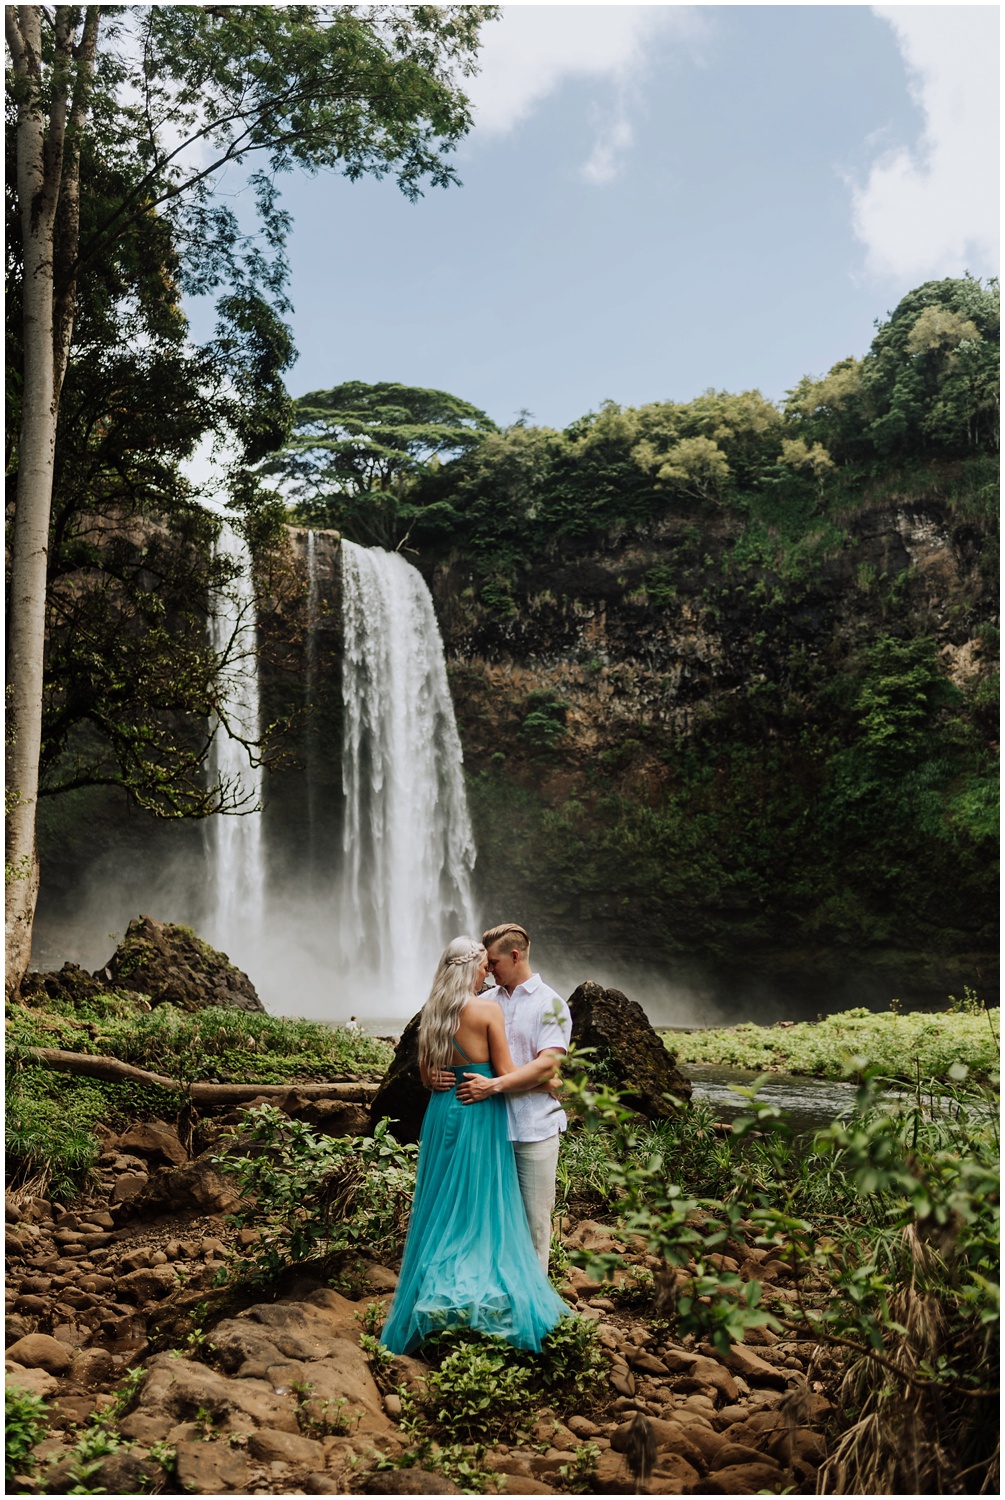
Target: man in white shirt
538	1029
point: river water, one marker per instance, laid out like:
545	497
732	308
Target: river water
809	1103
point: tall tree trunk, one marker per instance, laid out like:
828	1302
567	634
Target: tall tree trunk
44	168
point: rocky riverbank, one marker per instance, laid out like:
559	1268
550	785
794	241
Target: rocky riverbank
274	1395
194	1293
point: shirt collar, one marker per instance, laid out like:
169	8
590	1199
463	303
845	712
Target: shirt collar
528	987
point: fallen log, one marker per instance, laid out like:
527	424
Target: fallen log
111	1070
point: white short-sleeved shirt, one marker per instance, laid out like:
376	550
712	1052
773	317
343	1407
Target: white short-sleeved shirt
536	1017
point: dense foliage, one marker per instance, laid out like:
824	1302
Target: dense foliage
782	739
926	389
890	1228
357	452
51	1117
133	689
897	1046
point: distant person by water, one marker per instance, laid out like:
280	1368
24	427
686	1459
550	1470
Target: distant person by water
469	1258
352	1024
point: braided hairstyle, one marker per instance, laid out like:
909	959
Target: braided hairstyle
453	982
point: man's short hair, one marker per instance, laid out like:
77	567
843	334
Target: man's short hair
510	933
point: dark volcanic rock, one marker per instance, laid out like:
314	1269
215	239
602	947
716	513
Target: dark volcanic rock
169	963
401	1094
628	1047
71	984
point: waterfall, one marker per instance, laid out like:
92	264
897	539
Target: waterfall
408	849
311	745
234	842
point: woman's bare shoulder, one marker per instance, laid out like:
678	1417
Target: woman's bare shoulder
482	1008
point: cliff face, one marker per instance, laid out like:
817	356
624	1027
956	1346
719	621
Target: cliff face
651	737
673	760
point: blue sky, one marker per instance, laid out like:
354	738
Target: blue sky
659	199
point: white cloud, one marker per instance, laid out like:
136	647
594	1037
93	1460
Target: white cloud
603	162
933	210
533	49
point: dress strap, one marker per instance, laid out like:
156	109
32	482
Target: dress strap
461	1050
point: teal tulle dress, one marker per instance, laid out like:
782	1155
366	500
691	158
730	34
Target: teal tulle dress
469	1260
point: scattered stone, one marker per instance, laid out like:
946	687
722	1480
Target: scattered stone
669	1436
92	1367
34	1382
146	1429
181	1387
321	1484
589	1235
742	1479
268	1444
41	1352
197	1185
629	1048
582	1427
731	1454
15	1328
32	1305
212	1468
408	1482
156	1140
129	1185
523	1484
752	1367
148	1284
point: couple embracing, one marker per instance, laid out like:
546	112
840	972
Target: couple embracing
478	1239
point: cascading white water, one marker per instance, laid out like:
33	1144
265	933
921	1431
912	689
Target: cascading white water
234	842
408	848
311	747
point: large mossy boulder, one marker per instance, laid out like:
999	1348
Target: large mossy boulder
627	1049
169	964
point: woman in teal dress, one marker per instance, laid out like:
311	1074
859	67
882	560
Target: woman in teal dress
469	1261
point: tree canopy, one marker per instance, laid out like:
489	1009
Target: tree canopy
357	450
122	121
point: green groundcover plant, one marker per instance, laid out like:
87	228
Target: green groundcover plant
52	1144
899	1046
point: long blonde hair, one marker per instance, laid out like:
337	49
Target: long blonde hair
453	982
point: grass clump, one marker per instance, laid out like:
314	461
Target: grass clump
898	1046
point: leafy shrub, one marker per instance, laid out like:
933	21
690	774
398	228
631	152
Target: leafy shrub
544	719
51	1146
482	1388
228	1045
51	1143
26	1425
315	1194
478	1393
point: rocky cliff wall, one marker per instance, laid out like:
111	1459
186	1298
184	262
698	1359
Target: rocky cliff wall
627	658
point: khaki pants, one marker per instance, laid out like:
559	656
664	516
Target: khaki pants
536	1163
